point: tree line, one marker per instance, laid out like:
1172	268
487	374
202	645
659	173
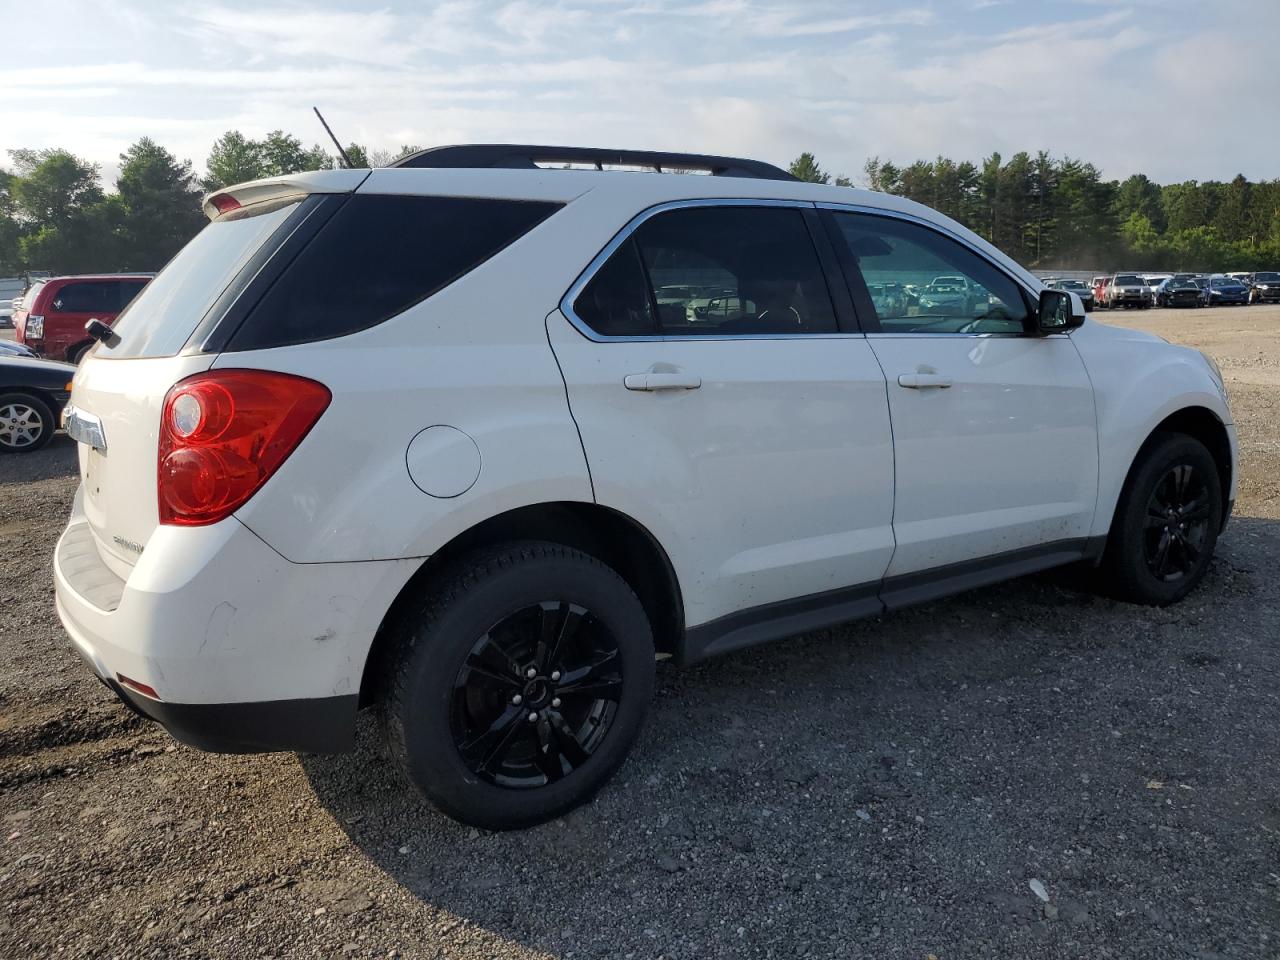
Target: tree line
1060	214
56	216
1048	213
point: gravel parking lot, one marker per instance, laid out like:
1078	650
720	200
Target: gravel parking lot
909	787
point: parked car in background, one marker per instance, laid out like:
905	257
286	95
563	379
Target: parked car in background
10	288
11	348
1099	286
1264	287
479	481
1240	275
1177	293
54	311
1153	280
32	395
1078	287
1220	290
1127	290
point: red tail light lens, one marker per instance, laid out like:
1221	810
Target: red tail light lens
223	433
224	202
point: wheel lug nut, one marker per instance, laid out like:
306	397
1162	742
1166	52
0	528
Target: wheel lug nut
533	717
531	673
555	702
555	674
516	699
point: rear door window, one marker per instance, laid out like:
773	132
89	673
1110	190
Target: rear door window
87	296
376	257
718	271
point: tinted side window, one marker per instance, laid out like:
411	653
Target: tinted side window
616	302
727	271
711	271
99	296
129	290
921	281
378	256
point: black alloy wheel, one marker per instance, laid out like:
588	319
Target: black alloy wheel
1166	523
517	682
536	695
1177	523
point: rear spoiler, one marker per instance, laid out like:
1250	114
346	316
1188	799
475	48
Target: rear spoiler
296	185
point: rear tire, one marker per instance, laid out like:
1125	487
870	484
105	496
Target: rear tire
460	691
26	423
76	353
1166	524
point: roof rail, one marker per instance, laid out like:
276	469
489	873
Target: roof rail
528	156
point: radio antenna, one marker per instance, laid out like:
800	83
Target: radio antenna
346	161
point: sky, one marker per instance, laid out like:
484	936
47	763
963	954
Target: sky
1175	89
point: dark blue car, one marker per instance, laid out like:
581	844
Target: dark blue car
1222	290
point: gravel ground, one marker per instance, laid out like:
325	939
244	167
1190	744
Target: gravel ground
1023	771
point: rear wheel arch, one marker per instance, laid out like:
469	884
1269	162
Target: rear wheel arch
75	353
610	536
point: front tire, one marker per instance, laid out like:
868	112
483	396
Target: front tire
522	681
26	423
1166	523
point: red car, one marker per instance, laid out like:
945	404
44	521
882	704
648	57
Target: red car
54	311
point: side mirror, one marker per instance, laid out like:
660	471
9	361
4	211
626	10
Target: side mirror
1059	312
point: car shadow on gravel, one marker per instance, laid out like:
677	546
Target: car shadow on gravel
893	786
57	460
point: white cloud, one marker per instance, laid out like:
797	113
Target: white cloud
766	78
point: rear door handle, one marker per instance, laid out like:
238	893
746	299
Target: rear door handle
653	382
923	381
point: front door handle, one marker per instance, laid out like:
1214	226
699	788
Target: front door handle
653	382
923	381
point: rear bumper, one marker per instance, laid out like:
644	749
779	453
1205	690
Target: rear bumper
246	651
322	725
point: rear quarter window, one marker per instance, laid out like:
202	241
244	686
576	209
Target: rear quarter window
376	257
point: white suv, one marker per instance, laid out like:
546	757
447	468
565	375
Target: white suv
428	438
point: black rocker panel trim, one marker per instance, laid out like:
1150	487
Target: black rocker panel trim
786	618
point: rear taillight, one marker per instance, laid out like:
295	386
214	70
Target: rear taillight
223	433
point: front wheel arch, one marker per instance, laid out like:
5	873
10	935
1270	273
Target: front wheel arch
1199	423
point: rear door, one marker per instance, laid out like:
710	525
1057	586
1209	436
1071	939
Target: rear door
753	441
995	434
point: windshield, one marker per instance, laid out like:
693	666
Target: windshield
1267	277
1128	280
159	321
1072	285
1224	282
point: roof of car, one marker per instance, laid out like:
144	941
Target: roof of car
633	191
94	276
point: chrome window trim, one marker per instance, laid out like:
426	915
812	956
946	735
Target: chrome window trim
621	237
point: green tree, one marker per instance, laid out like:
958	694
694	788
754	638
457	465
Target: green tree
805	167
1232	217
65	222
53	186
282	154
358	156
234	159
1139	195
160	205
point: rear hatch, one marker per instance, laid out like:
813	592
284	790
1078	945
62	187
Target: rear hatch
158	342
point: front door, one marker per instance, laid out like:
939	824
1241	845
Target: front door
995	434
721	407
